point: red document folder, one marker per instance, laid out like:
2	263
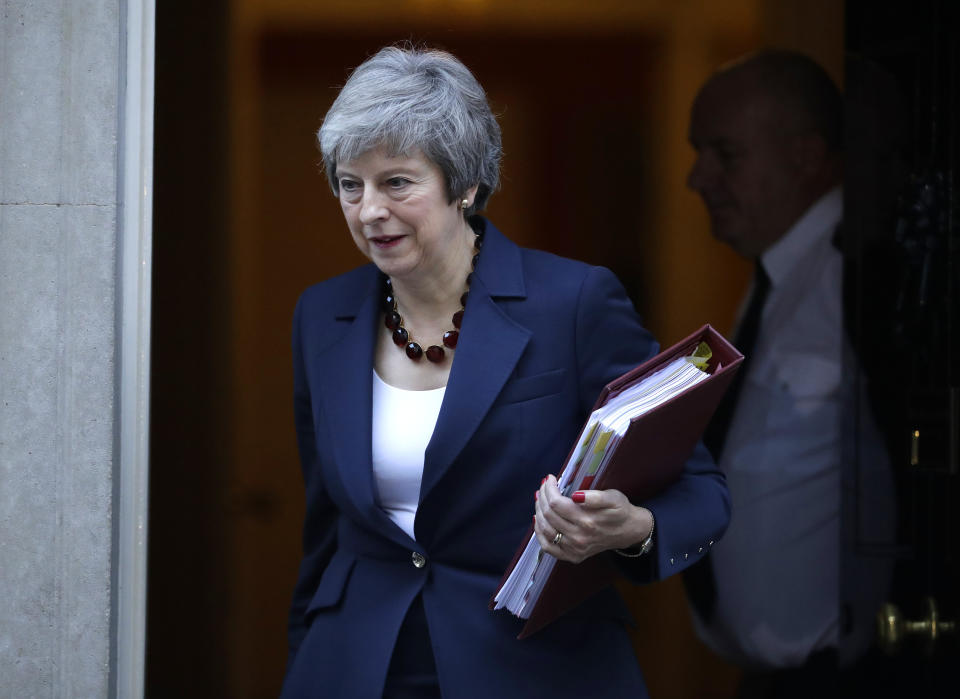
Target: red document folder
649	458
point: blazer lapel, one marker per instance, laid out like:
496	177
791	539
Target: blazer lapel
491	344
347	388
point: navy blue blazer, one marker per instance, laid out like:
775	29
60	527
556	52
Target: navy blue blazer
541	336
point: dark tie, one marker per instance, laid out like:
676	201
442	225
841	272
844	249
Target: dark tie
745	340
698	578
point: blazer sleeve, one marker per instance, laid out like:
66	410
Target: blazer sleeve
692	513
319	530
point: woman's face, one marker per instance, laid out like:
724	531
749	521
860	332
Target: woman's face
398	213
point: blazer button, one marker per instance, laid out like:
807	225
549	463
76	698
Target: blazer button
418	559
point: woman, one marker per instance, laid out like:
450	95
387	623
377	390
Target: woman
434	388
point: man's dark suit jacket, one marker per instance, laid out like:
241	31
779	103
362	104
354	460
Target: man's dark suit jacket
541	336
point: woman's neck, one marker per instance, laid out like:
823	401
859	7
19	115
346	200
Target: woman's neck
425	299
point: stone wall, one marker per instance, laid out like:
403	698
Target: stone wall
59	95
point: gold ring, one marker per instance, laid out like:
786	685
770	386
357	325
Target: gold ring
557	538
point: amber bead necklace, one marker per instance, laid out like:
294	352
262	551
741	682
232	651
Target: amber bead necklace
394	322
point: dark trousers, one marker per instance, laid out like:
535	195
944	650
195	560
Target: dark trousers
413	672
818	678
874	676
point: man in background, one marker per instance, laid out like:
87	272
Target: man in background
768	132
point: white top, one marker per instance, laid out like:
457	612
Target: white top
403	423
777	568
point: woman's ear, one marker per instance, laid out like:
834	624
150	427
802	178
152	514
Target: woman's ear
471	194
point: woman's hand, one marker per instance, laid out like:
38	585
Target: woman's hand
590	522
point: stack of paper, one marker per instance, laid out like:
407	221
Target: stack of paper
597	443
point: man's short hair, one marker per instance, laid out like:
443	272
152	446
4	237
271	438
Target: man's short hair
800	85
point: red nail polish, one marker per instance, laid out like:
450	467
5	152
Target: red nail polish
544	480
578	496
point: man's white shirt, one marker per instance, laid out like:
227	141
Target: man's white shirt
777	569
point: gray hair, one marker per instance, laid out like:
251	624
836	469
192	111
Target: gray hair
406	99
